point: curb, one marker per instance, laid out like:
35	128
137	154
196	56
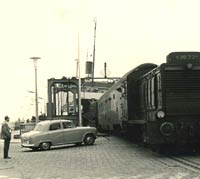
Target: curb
12	141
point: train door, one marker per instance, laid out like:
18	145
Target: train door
122	104
141	107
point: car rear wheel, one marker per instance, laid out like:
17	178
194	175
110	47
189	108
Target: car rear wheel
45	146
89	139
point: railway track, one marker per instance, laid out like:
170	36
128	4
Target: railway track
189	163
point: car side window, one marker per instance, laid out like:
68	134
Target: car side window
67	125
54	126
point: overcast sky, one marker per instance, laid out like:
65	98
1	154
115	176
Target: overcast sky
129	32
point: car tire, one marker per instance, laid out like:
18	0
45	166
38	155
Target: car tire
89	139
45	146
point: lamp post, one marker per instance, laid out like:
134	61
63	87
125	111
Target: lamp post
35	59
78	75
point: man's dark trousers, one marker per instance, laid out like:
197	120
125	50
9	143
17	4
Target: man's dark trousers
6	147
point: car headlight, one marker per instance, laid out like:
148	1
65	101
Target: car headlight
160	114
25	140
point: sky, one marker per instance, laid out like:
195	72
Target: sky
128	33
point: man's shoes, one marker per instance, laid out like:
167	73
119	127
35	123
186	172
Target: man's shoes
7	157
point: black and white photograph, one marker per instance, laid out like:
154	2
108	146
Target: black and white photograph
100	89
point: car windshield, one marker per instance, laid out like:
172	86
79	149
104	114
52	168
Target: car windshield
39	127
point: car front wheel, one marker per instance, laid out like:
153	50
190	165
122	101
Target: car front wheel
89	139
45	146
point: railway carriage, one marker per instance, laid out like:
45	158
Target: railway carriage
156	105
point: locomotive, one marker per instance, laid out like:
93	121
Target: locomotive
156	104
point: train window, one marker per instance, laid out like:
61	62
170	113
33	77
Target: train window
142	95
155	92
125	89
149	94
146	94
113	96
159	91
152	93
119	89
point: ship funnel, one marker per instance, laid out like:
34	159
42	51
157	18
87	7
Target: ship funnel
88	69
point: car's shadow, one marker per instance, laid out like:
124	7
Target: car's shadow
61	147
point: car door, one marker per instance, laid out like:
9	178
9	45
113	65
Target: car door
71	133
55	133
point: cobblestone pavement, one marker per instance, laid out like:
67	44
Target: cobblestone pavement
109	158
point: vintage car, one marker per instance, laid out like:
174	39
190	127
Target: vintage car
57	132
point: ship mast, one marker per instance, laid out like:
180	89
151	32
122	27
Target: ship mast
95	25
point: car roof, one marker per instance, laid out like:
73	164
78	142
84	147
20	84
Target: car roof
53	121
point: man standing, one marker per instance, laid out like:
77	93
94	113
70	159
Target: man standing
6	135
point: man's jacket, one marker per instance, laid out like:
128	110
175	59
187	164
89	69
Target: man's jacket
5	131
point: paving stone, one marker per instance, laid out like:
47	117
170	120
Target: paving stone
109	158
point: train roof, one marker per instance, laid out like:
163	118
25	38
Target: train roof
137	71
140	69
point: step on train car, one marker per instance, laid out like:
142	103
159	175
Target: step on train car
156	105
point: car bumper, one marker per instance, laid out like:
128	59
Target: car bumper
27	145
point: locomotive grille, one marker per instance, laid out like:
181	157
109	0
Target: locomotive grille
182	91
